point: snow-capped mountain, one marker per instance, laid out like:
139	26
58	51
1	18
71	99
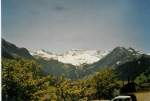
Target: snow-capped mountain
74	57
78	57
127	62
44	54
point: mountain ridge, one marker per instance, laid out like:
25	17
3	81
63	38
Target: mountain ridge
10	50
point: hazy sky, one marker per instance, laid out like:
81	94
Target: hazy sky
60	25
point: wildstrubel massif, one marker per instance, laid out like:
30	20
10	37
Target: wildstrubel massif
74	57
78	64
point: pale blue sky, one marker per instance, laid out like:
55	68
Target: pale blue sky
60	25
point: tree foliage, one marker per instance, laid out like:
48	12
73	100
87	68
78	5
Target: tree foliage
22	80
105	82
142	78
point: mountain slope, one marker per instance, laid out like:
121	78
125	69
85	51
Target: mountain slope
56	68
117	57
9	50
132	69
52	67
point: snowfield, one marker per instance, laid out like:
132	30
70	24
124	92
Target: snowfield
74	57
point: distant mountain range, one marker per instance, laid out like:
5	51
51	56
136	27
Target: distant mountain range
74	57
77	64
